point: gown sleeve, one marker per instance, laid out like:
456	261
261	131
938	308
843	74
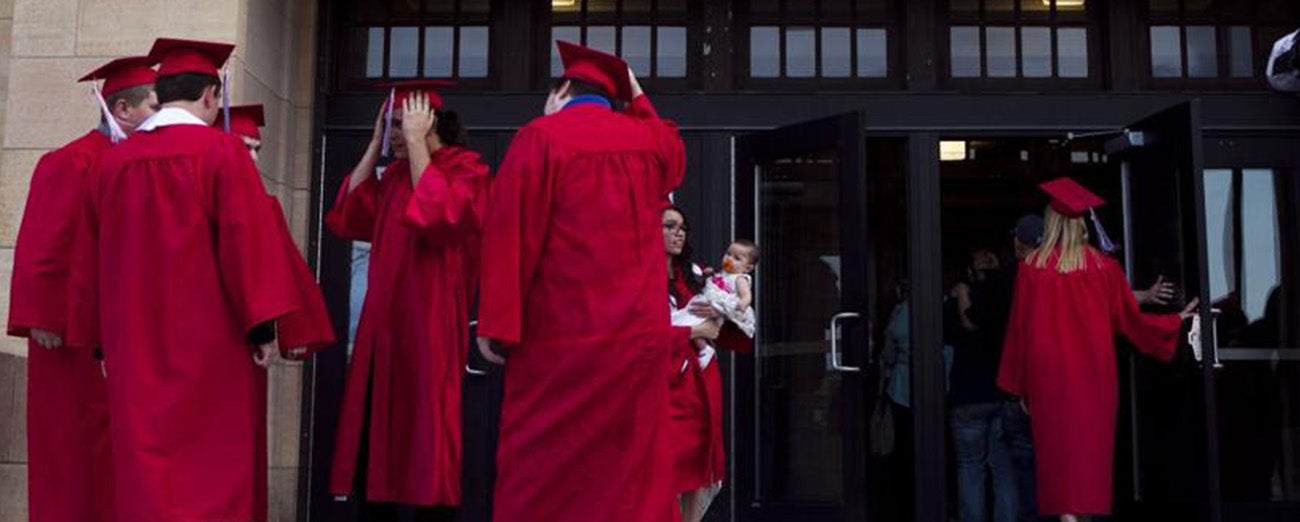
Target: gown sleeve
513	235
1015	347
671	148
354	211
42	258
83	286
1153	334
449	197
309	326
255	273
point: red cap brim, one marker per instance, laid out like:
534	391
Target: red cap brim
175	56
123	73
406	88
605	70
245	120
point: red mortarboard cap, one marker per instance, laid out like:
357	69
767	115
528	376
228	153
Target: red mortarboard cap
1069	198
606	70
123	73
245	120
407	88
189	56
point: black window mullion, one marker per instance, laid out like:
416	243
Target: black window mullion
817	51
388	46
780	55
984	53
455	51
654	49
853	46
1020	54
1182	36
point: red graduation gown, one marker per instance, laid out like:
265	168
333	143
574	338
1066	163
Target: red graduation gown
309	326
573	286
1059	356
178	253
69	466
700	454
413	336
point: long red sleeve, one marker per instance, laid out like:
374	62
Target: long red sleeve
353	215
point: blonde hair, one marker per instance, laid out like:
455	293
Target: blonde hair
1065	236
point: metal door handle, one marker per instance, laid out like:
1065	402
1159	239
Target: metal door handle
835	342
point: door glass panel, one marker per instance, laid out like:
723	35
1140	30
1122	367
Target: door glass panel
1218	226
1202	52
800	292
1255	388
1072	52
1036	47
836	52
800	52
1166	51
873	54
964	48
1000	43
404	52
764	52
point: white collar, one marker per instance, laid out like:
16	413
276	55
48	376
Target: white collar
169	116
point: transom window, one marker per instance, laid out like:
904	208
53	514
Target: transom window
1209	41
826	42
405	39
1020	39
653	36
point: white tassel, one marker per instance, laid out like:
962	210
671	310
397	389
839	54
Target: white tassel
115	132
225	99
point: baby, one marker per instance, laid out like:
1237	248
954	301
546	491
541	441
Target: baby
730	293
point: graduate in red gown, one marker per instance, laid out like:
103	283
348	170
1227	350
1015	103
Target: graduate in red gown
307	329
69	466
1070	303
573	293
399	433
178	254
700	461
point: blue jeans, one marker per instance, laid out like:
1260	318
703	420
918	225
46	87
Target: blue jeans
981	452
1019	439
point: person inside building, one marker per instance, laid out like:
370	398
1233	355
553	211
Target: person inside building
309	328
69	466
1070	302
179	277
399	433
573	296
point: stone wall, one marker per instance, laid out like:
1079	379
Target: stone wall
45	45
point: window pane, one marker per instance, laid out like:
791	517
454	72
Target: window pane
1072	52
440	6
601	6
1036	48
833	9
1239	50
800	52
1000	8
672	6
1218	220
1165	7
764	52
671	52
568	34
964	6
474	52
636	48
1259	225
601	37
566	7
1000	43
404	52
873	53
636	7
375	52
476	6
438	45
1035	9
964	48
764	7
1202	52
837	59
1166	52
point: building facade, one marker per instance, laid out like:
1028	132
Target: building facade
868	145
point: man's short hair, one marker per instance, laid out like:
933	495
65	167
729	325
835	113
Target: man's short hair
582	88
184	86
133	96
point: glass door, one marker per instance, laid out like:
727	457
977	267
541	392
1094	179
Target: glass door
1166	451
802	400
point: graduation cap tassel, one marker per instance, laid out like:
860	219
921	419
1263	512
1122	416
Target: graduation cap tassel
388	118
115	132
225	99
1107	245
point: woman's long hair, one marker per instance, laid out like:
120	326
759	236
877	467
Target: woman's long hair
1067	238
684	263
